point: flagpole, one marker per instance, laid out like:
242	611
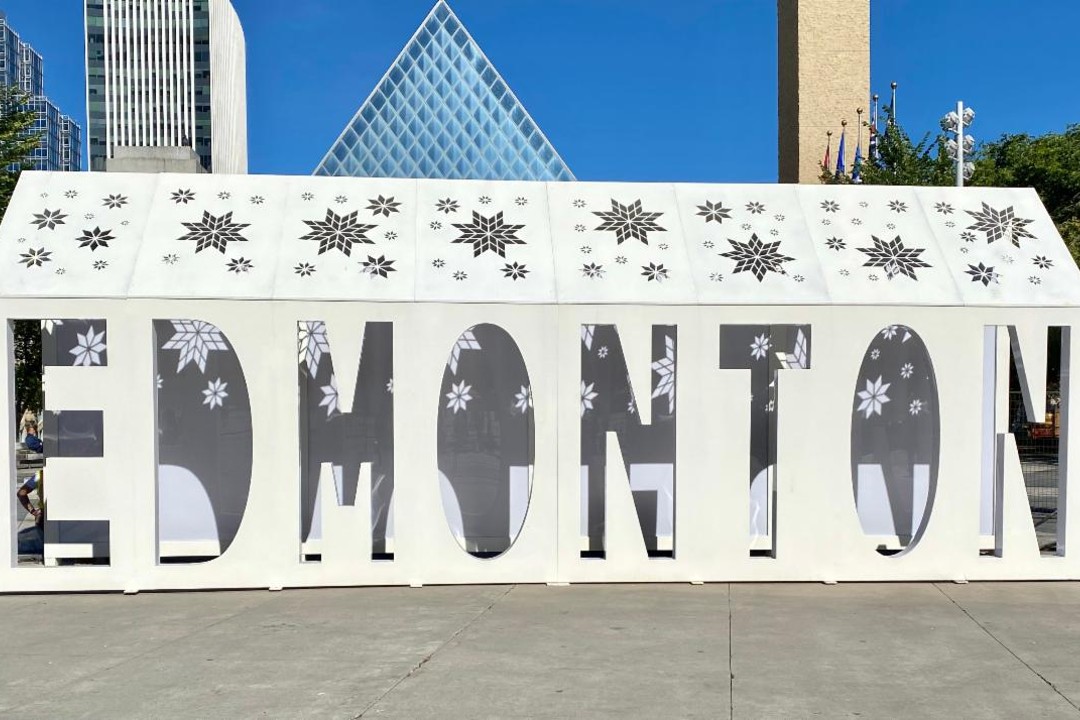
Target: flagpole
892	107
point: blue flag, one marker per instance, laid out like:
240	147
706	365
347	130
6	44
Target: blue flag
840	168
856	169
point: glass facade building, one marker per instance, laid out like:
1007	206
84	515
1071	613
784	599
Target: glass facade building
443	111
60	147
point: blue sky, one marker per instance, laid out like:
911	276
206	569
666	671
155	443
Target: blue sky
625	89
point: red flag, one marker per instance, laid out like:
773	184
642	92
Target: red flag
828	150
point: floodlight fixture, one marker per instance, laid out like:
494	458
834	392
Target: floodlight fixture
969	115
969	170
969	143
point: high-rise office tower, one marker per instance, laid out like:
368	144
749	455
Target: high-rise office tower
60	147
443	111
166	73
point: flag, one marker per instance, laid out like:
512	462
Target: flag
856	169
828	149
875	152
841	168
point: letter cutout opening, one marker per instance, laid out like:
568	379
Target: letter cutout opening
486	441
609	405
204	441
346	441
895	439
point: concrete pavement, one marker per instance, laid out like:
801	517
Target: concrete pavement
612	651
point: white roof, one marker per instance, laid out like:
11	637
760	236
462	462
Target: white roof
314	238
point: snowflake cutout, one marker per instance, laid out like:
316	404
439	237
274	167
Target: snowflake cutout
1042	262
587	397
101	264
312	345
907	370
256	200
586	249
390	235
621	260
484	200
602	352
875	354
890	332
708	244
521	201
968	237
447	206
239	265
170	259
378	267
798	278
88	216
982	273
916	406
716	277
88	348
1008	259
460	275
182	197
61	271
778	217
856	221
50	325
950	224
579	203
438	263
195	340
390	386
579	228
515	271
48	219
592	270
523	400
588	333
95	238
873	397
304	269
35	257
755	208
665	369
435	225
307	197
835	243
756	257
898	206
998	224
890	226
214	394
629	222
830	206
341	199
894	258
714	212
1035	280
214	232
654	271
224	195
114	202
826	221
330	396
747	226
71	194
459	396
383	206
488	234
944	208
338	232
759	348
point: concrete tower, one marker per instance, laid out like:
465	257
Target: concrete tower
824	76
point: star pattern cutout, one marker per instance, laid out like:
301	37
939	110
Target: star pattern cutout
488	234
48	219
95	238
998	224
338	232
714	212
195	340
894	258
515	271
214	232
182	197
757	257
35	257
982	273
629	222
114	202
383	206
378	266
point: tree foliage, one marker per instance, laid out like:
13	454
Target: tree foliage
17	142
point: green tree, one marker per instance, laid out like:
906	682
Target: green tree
1049	163
16	143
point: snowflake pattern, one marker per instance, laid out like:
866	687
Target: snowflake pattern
195	340
438	263
256	200
330	396
304	269
383	206
894	258
944	208
621	260
515	271
71	194
488	234
602	352
873	397
95	238
338	232
447	206
224	195
521	201
35	257
588	394
714	212
756	257
579	203
755	208
898	206
239	265
378	266
629	222
101	264
999	224
170	259
654	272
983	274
1042	262
907	370
214	395
916	406
459	396
214	232
665	369
835	243
580	228
312	345
1035	280
523	400
460	275
114	202
48	219
182	197
88	348
830	206
759	348
592	270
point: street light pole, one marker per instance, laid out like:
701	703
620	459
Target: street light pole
960	144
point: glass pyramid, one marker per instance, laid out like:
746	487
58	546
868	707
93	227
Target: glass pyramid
443	111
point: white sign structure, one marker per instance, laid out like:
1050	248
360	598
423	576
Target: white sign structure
257	381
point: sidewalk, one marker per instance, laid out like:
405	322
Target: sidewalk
610	651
